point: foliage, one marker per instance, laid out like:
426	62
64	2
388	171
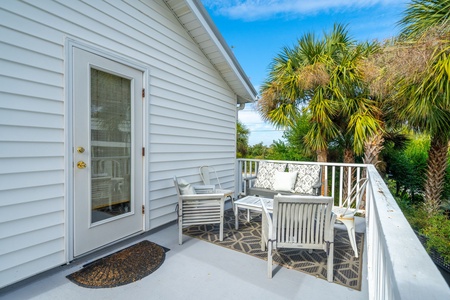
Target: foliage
242	134
423	97
437	230
421	15
295	137
322	77
407	165
416	217
257	151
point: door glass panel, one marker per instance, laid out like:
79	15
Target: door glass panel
110	145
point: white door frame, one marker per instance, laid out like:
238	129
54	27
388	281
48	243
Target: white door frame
69	161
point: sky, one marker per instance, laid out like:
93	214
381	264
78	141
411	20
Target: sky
257	30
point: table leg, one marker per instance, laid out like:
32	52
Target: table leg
236	220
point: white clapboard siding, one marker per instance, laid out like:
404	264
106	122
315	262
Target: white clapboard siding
190	121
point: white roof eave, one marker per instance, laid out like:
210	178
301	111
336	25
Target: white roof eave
219	53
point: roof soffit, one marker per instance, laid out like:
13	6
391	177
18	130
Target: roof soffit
195	19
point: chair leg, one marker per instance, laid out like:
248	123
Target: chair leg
330	263
269	259
221	230
350	224
180	232
236	218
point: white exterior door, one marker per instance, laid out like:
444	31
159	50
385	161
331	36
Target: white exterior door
108	141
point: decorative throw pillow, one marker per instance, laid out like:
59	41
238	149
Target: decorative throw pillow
285	181
266	174
185	187
307	176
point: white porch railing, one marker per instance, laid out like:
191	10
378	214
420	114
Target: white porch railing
334	181
398	265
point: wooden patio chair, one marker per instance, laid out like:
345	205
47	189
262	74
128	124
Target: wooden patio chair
345	213
198	209
301	222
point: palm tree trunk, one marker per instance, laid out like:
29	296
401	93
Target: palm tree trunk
372	150
436	166
322	157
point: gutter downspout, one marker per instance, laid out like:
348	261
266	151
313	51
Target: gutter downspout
240	106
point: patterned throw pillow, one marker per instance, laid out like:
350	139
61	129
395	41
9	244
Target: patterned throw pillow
307	176
266	174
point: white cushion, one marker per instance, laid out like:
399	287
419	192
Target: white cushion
285	181
185	187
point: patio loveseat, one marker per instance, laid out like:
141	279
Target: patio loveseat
284	178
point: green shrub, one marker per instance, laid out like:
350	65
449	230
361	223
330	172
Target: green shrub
437	231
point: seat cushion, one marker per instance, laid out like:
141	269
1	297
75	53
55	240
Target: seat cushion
307	176
266	174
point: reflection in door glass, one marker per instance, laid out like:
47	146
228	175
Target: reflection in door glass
110	145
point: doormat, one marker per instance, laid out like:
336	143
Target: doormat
347	268
120	268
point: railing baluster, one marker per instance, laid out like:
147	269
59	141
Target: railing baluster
333	180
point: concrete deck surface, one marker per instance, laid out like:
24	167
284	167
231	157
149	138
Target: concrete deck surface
195	270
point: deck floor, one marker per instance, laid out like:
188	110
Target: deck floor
195	270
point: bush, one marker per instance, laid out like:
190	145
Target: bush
437	231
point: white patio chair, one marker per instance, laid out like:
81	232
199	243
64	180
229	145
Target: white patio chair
300	222
209	177
345	213
207	173
198	209
101	192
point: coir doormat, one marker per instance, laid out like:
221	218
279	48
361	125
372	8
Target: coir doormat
347	268
120	268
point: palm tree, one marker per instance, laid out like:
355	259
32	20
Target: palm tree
299	75
426	96
321	76
242	133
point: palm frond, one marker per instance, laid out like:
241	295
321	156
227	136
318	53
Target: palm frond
421	15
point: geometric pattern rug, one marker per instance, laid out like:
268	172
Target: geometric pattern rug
347	268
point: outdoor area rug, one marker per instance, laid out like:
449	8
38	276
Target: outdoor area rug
347	268
120	268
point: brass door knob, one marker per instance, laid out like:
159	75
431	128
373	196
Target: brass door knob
80	149
81	165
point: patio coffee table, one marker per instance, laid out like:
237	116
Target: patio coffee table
250	203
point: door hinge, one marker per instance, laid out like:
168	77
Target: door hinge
143	151
143	209
143	93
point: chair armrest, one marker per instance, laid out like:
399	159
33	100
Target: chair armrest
266	225
203	196
317	185
329	237
317	188
249	178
